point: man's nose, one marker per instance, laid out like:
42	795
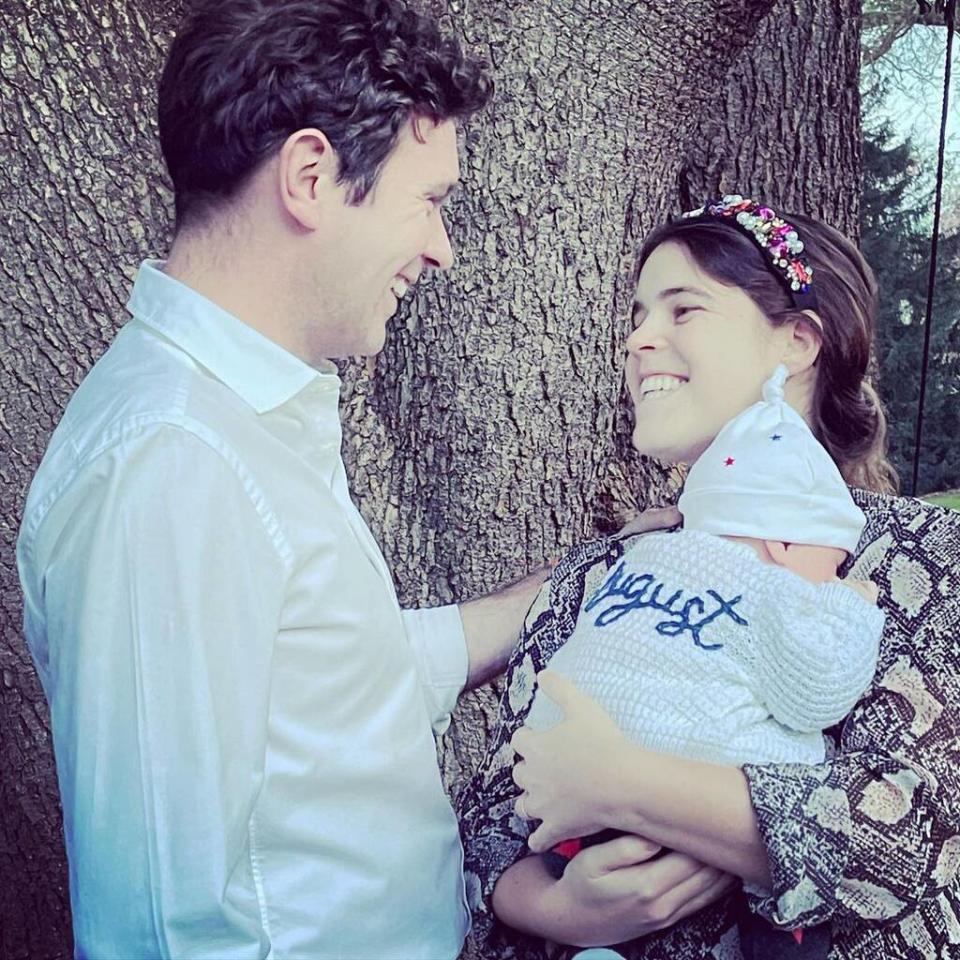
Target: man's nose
439	252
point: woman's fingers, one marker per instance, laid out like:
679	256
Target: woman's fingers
566	695
653	881
617	854
676	886
519	774
570	772
520	741
698	892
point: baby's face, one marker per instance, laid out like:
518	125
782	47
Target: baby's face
816	564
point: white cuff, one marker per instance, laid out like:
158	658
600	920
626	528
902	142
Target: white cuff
440	646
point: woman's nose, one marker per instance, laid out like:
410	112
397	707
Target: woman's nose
645	337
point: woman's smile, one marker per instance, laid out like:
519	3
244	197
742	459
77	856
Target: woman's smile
656	385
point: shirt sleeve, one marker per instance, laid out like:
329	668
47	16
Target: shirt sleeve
163	596
816	654
440	648
874	831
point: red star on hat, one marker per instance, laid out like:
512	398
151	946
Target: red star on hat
729	462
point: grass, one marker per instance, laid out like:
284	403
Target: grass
950	499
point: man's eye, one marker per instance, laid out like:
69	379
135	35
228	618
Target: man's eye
681	314
637	317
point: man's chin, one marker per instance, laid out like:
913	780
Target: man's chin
374	346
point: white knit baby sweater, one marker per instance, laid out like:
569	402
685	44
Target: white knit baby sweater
697	647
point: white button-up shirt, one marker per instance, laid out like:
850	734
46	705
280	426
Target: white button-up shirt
241	713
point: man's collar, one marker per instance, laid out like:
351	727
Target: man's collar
258	370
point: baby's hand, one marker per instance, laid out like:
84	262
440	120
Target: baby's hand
866	588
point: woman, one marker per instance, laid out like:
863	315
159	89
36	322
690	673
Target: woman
866	842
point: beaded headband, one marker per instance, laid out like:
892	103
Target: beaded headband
774	235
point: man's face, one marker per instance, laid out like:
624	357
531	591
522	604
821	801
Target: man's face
373	253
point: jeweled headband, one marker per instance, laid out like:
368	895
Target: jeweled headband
772	234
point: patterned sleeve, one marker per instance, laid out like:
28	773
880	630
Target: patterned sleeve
494	838
876	829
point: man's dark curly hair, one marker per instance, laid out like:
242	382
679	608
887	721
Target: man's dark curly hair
242	75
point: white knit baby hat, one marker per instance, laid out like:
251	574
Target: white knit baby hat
766	476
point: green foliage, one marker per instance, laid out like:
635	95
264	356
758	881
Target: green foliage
895	238
949	500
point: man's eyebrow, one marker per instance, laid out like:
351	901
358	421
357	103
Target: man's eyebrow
672	292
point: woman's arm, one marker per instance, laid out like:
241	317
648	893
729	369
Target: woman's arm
584	775
866	835
876	830
607	894
494	838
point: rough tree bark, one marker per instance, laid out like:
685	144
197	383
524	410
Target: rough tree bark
81	201
786	125
491	431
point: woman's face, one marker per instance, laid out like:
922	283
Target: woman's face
699	354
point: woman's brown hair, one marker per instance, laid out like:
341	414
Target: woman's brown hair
846	416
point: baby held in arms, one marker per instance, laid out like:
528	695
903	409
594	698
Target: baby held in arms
733	640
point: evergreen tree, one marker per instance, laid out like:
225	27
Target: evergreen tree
895	238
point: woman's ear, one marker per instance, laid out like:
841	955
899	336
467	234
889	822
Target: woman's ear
803	342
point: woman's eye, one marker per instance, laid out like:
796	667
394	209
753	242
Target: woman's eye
682	314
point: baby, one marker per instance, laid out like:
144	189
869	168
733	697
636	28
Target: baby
733	640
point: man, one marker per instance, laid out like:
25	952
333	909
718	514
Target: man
241	712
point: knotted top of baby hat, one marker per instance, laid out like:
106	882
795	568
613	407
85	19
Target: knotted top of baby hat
766	476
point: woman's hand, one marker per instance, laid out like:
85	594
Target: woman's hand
583	775
866	588
569	773
608	893
615	892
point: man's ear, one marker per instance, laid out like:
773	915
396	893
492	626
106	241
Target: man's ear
802	346
306	173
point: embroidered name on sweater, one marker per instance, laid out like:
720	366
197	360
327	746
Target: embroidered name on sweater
641	591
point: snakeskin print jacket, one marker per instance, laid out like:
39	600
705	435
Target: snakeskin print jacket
869	840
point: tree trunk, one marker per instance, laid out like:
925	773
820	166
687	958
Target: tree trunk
81	202
491	432
786	125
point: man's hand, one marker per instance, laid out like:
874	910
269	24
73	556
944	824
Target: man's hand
656	518
608	893
569	773
492	625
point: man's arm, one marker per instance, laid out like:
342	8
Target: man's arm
492	625
163	594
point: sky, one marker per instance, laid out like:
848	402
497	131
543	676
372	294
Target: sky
913	70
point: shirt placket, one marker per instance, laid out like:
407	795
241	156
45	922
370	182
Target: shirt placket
326	446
